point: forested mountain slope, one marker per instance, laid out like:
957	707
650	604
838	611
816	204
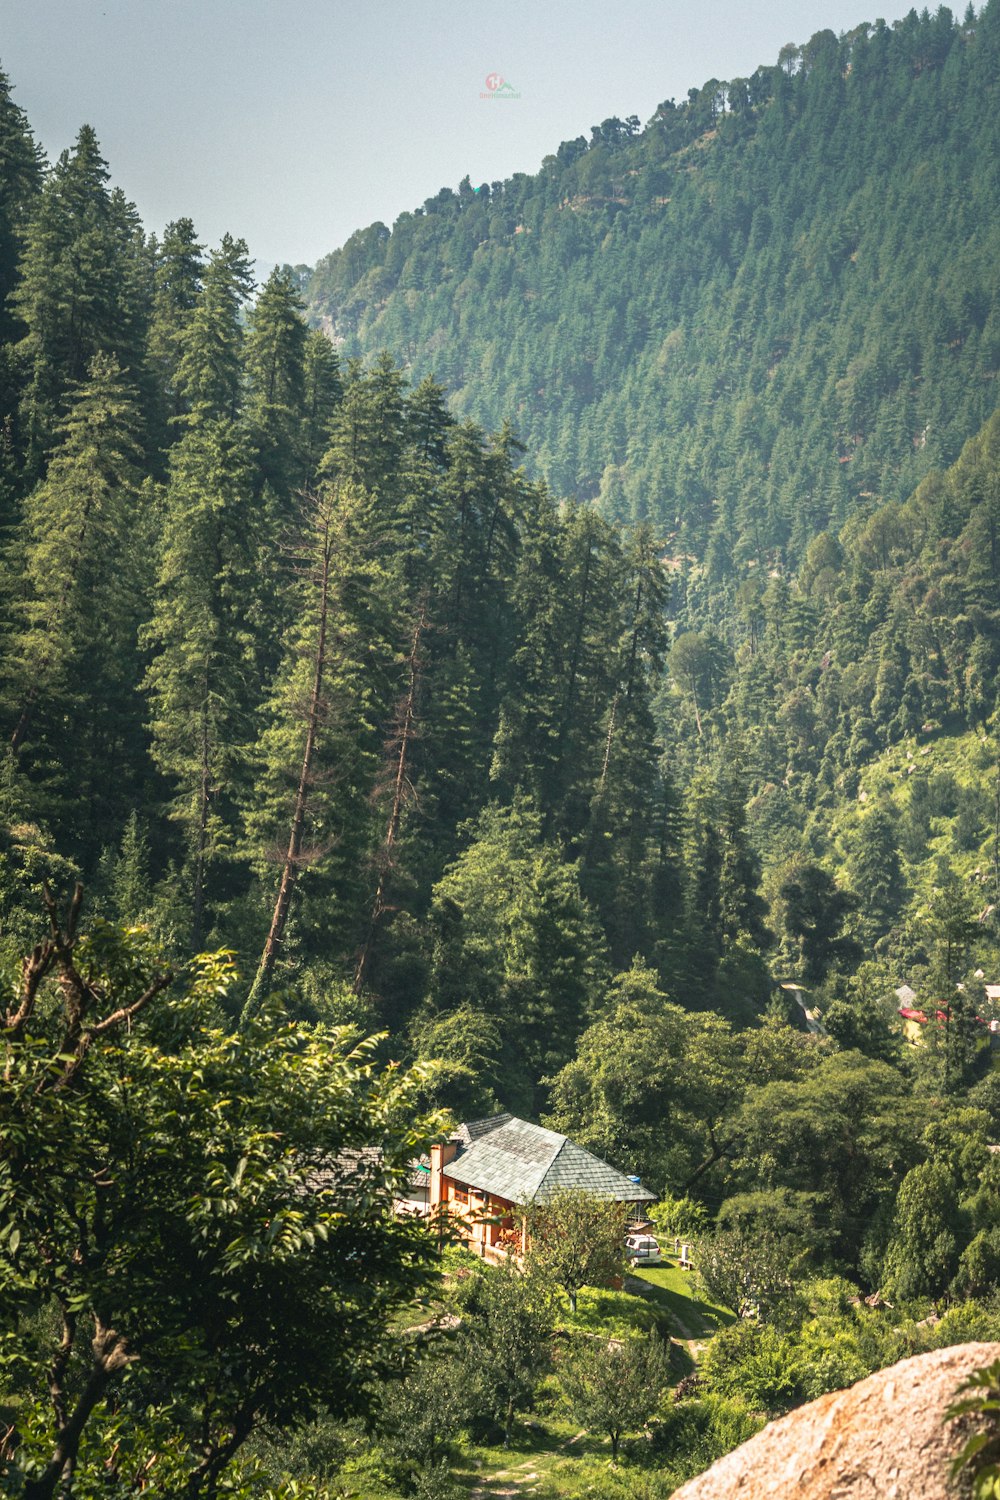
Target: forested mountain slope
859	701
773	306
294	660
297	663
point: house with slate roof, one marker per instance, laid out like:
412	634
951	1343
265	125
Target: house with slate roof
490	1170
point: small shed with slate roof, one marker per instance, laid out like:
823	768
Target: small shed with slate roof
492	1168
359	1169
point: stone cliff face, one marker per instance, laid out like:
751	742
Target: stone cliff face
882	1439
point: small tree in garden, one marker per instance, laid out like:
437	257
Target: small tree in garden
615	1386
754	1275
509	1340
420	1416
576	1240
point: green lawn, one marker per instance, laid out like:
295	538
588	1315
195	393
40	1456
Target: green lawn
551	1459
616	1314
663	1298
675	1292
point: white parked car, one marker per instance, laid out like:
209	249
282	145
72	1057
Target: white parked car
642	1250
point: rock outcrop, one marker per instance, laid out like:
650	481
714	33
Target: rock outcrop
882	1439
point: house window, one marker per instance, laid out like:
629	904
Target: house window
460	1195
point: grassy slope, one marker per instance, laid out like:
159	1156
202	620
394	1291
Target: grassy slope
969	760
675	1292
550	1457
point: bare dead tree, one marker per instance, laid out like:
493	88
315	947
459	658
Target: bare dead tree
608	743
325	536
400	745
597	803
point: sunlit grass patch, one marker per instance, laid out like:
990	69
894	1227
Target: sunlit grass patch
676	1294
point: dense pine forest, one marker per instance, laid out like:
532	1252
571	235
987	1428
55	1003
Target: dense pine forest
606	733
772	306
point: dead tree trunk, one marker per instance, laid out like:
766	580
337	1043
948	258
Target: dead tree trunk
290	868
198	904
403	739
597	805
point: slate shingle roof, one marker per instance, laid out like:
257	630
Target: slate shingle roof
362	1167
474	1130
353	1167
526	1163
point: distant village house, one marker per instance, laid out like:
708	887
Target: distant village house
914	1018
490	1170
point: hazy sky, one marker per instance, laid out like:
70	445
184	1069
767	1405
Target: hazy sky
293	122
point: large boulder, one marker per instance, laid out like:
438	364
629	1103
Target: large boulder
882	1439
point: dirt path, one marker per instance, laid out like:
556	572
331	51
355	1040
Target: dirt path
512	1481
640	1288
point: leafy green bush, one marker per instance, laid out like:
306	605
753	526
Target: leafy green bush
694	1433
754	1364
679	1217
978	1462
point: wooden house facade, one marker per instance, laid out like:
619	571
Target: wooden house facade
491	1170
